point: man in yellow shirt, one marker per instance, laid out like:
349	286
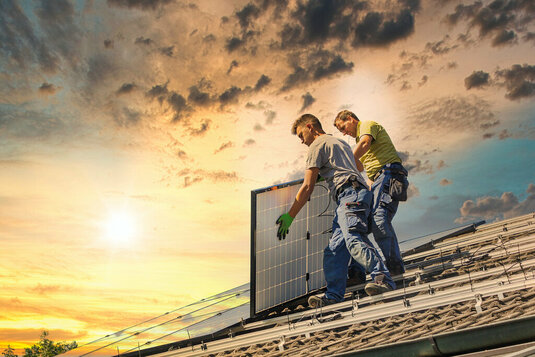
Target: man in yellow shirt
376	153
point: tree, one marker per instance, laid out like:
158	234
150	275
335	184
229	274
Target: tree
9	352
47	348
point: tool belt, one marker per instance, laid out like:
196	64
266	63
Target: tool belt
394	168
398	183
352	181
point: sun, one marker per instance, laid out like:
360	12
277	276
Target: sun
120	228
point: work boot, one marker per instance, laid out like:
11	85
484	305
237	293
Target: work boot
377	286
316	301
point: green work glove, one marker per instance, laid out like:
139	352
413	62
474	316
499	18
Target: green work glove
284	222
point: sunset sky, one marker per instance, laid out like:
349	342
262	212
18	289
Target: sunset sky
132	133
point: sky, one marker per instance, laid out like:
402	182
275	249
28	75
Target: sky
132	133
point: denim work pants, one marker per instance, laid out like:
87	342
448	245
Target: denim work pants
349	240
384	208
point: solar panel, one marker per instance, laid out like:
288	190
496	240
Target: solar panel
283	270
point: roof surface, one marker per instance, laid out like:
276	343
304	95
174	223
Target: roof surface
461	294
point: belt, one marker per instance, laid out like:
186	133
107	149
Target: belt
351	182
394	167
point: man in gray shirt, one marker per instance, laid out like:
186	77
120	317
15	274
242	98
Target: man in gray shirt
333	159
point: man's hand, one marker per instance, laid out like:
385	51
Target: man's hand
284	222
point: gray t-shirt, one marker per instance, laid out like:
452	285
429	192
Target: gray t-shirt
334	159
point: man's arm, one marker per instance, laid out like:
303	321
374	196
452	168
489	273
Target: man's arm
311	175
360	167
285	220
361	148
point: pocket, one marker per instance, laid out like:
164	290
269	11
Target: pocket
386	201
398	187
357	217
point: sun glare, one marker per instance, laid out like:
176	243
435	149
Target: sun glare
120	227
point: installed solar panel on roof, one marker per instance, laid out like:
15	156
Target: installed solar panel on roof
282	270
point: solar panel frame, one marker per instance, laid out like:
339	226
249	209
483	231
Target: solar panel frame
284	270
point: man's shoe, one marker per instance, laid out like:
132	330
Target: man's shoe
316	301
376	288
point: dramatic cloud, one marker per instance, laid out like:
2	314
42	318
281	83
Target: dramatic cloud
249	142
19	122
322	20
179	106
19	41
506	206
246	15
197	97
262	82
450	113
159	92
504	134
167	51
57	23
126	88
230	95
423	81
476	80
182	155
47	88
270	116
315	66
440	47
49	289
233	65
143	41
445	182
519	81
412	191
504	38
127	117
497	19
414	166
196	176
139	4
377	30
233	44
205	125
224	146
308	100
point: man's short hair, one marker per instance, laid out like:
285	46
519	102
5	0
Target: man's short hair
344	116
306	119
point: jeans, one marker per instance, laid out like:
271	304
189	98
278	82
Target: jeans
349	240
385	206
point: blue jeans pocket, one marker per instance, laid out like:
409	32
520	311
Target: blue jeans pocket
386	201
357	217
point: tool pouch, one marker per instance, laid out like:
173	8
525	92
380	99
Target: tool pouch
398	187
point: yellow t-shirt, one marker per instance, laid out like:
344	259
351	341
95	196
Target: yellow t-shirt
381	151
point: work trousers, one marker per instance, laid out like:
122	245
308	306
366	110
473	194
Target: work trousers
385	206
349	240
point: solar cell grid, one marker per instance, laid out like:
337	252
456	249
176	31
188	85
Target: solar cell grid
279	267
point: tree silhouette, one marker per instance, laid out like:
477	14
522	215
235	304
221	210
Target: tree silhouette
43	348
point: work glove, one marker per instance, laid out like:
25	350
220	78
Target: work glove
284	222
